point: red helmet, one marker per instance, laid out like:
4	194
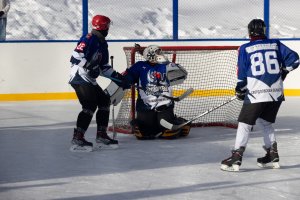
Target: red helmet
101	22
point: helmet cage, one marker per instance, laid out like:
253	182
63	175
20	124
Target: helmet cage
153	54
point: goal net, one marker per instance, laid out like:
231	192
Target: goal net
212	75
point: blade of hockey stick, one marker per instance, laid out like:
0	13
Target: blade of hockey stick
179	98
171	126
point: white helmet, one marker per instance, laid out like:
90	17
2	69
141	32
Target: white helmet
153	54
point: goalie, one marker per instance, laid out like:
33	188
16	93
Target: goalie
154	78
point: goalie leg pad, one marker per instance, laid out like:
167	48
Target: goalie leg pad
140	136
169	134
185	130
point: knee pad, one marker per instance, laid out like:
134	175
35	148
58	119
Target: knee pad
88	111
104	108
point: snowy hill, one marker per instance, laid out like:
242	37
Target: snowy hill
62	19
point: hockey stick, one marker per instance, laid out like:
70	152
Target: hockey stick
171	126
179	98
113	122
113	104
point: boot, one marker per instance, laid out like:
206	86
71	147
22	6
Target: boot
103	140
234	162
79	143
271	157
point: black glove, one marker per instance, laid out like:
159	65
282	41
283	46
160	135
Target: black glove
1	13
94	73
283	74
118	79
240	94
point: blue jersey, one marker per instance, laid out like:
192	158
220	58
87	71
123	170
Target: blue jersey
151	81
90	50
260	64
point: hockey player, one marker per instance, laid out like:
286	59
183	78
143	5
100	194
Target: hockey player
151	77
89	60
262	66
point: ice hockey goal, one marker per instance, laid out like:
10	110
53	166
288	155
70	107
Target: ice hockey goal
212	74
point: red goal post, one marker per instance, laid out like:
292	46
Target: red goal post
212	74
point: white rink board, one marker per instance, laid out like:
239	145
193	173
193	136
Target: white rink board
45	67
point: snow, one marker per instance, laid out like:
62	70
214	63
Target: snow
36	162
143	19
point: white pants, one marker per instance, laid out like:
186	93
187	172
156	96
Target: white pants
244	130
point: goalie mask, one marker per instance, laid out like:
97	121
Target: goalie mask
153	54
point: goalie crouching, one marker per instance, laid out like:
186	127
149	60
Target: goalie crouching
154	79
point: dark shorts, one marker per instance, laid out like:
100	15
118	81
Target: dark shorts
91	96
265	110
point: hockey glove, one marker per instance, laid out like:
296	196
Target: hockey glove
119	80
240	94
284	73
1	13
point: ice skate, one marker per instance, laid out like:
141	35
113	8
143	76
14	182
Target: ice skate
234	162
271	159
79	144
103	141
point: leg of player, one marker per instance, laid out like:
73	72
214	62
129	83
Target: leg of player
85	96
271	159
234	162
103	140
144	126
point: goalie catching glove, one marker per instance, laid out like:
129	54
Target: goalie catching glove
176	74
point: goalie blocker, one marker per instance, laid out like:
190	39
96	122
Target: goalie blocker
115	92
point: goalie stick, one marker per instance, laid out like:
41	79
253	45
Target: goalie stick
178	98
171	126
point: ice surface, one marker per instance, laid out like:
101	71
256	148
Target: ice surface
35	161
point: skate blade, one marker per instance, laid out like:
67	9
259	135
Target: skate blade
274	165
233	168
77	148
99	146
